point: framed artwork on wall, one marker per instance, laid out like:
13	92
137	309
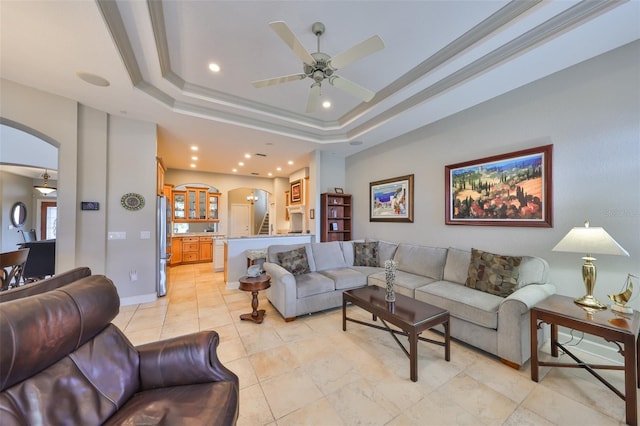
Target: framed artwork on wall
391	200
296	192
512	189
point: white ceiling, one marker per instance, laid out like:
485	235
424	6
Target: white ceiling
440	57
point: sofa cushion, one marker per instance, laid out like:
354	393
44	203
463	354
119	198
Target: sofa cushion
210	403
462	302
406	283
313	283
328	255
295	261
365	254
421	260
493	273
346	278
386	251
456	267
273	250
533	270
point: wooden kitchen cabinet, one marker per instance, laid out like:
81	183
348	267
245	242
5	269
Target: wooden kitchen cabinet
176	251
206	249
195	204
191	250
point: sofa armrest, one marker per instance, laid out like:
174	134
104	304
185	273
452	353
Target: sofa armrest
283	291
182	360
527	297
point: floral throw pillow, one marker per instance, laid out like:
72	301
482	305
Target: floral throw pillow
365	254
493	273
295	261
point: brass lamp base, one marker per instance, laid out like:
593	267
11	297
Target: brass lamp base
590	302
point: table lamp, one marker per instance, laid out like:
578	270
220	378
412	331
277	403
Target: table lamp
589	241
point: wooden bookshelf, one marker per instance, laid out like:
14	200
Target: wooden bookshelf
336	217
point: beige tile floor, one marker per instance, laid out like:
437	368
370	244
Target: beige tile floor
310	372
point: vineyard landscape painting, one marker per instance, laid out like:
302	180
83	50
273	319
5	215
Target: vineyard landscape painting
511	190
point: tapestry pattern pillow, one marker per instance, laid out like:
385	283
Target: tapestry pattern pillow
365	254
493	273
295	261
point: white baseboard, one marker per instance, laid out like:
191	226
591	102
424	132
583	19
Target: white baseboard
233	285
135	300
606	352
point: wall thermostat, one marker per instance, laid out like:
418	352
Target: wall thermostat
89	205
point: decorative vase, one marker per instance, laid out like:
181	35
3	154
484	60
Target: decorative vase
390	277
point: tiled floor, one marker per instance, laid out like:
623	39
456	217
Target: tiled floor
310	372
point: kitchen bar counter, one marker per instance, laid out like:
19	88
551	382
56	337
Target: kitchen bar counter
236	247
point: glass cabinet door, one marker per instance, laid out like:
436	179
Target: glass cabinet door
202	204
179	205
213	206
191	203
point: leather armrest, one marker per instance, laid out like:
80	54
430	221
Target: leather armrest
182	360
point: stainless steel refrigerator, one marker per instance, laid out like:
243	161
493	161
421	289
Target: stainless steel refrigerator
163	250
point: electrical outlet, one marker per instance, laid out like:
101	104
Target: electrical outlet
117	235
133	275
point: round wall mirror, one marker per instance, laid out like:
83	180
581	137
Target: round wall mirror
18	214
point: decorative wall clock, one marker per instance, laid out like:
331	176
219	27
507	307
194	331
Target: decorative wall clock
132	201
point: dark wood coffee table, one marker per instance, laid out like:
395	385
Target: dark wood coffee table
254	285
410	315
621	329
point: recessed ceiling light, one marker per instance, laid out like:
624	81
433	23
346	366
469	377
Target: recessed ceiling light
290	162
213	67
240	163
193	166
94	79
269	174
326	104
234	170
194	158
194	148
247	156
279	169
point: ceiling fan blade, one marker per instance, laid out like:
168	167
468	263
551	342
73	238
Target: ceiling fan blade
351	88
359	51
314	95
292	41
277	80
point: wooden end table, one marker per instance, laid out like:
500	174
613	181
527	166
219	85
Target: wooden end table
410	315
254	285
620	329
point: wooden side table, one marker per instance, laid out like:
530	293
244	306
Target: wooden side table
254	285
622	330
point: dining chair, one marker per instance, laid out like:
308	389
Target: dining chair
11	267
29	236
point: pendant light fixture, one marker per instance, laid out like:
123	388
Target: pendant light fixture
45	189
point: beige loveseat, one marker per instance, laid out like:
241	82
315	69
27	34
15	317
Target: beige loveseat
498	325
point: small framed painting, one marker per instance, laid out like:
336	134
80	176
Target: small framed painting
338	190
296	192
391	200
511	189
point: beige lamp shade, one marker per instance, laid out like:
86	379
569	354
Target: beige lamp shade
590	240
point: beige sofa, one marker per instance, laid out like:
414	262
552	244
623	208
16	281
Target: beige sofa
495	324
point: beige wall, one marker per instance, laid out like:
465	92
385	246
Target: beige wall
100	158
590	113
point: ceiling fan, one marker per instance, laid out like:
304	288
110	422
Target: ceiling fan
319	66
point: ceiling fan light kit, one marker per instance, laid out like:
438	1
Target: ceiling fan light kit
319	66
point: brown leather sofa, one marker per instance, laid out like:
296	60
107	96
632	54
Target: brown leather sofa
63	362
